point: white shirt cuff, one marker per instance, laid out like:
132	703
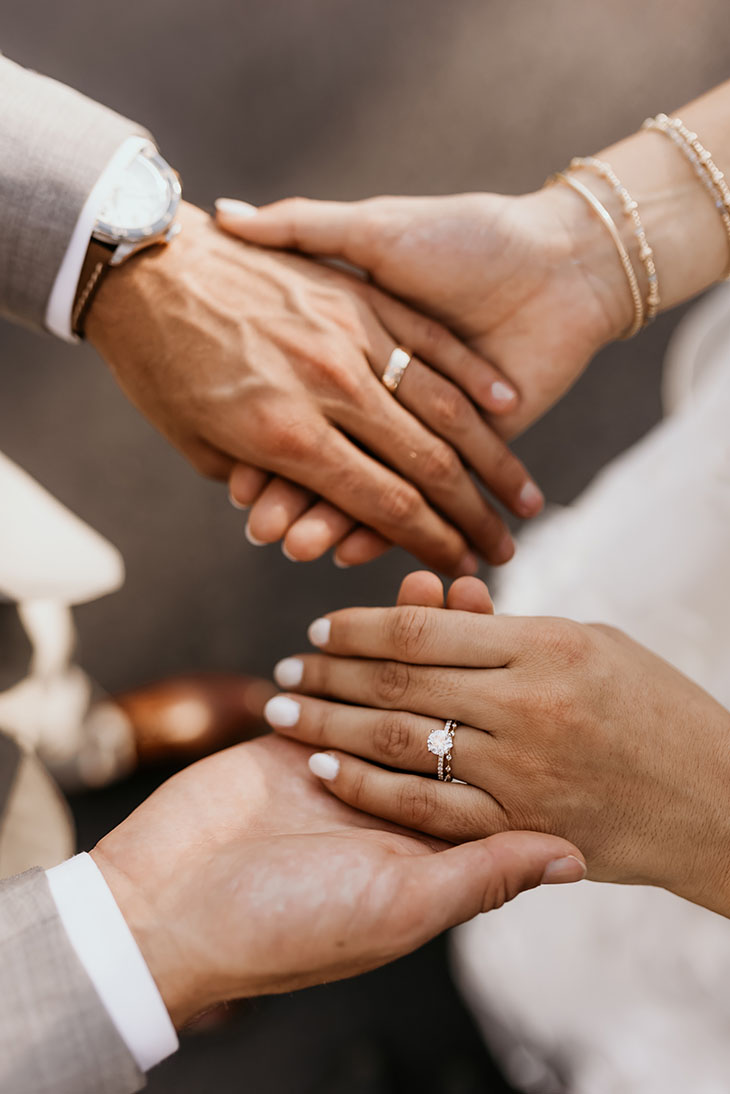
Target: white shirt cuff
63	293
106	948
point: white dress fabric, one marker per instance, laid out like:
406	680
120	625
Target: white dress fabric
598	989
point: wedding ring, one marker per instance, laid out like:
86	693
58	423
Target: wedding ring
395	370
440	742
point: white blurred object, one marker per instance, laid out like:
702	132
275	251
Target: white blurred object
49	561
597	989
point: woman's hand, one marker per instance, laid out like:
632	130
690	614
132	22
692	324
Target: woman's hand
565	728
238	354
532	282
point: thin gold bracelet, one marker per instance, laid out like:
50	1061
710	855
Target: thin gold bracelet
608	222
702	163
631	209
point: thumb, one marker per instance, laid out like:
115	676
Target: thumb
315	227
455	885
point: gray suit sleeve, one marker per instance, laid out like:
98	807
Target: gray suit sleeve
54	145
55	1034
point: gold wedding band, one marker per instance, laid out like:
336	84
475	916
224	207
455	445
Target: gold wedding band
440	742
398	362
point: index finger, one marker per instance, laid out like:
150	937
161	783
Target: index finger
421	635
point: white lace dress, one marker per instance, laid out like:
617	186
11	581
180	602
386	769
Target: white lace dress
597	989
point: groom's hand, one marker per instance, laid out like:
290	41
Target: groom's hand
239	354
241	876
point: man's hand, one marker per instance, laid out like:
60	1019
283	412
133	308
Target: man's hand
241	876
238	354
532	282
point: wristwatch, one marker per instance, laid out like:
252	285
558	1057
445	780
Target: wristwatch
137	213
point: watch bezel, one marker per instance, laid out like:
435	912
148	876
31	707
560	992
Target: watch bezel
109	233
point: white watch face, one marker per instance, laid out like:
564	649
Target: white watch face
140	199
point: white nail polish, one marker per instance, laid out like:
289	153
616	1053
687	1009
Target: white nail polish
318	632
324	766
287	554
288	673
340	564
237	504
252	538
281	711
501	392
238	210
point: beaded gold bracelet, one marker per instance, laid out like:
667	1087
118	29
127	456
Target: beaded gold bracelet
631	209
602	212
704	167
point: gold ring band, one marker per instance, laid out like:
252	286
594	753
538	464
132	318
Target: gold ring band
398	362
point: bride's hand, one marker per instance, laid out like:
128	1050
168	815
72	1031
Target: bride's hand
532	282
564	728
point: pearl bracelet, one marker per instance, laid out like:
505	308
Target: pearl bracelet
706	170
631	209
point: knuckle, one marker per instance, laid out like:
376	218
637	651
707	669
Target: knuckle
418	802
400	503
450	408
567	641
408	630
391	682
392	738
441	465
293	442
433	337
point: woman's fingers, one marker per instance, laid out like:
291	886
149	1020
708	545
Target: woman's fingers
245	483
395	738
423	636
278	505
391	685
422	587
469	594
319	227
434	343
446	810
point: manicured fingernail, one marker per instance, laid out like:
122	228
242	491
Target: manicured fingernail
324	766
252	538
563	870
318	632
340	564
530	499
282	711
231	207
288	673
503	393
468	566
237	504
287	554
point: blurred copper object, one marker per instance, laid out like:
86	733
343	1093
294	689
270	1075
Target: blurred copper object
191	715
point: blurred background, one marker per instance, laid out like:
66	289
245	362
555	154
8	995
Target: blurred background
342	99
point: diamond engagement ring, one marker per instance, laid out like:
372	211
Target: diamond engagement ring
395	370
440	742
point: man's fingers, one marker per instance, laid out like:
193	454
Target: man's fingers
318	227
384	501
435	344
422	636
459	883
449	811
